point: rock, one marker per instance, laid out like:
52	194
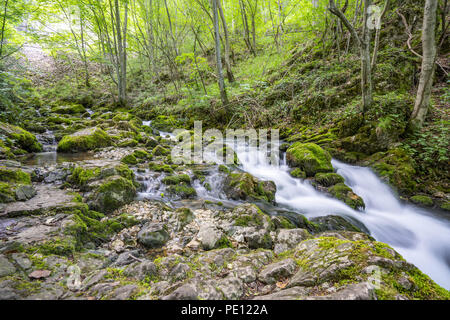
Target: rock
422	200
259	239
289	238
309	157
345	193
48	198
243	186
25	192
84	140
246	274
231	287
328	179
179	272
113	192
331	222
20	137
277	271
295	293
22	260
39	274
209	236
74	279
6	267
142	270
125	292
95	278
185	292
8	294
358	291
153	235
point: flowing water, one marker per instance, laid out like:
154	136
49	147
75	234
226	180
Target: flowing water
421	236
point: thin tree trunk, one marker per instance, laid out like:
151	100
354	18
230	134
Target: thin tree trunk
223	92
377	36
3	28
428	64
230	75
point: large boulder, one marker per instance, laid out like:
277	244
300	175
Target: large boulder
84	140
244	186
309	157
19	137
111	194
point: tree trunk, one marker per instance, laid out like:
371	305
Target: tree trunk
3	28
428	64
366	72
223	92
230	75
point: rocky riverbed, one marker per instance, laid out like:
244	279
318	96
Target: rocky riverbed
120	220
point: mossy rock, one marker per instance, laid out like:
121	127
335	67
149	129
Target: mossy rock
160	151
112	193
328	179
250	215
223	168
129	159
397	168
177	179
344	193
165	123
84	140
19	138
445	206
243	186
15	184
298	173
309	157
69	109
421	200
183	191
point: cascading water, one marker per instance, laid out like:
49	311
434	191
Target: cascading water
422	237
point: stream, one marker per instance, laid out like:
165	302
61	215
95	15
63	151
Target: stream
421	236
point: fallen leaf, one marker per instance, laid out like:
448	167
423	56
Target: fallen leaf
39	274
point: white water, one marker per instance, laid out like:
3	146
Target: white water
420	237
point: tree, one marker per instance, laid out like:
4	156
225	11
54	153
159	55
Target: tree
428	65
223	92
364	47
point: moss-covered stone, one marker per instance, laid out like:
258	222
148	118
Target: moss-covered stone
69	109
20	138
309	157
445	206
298	173
396	167
183	191
243	186
422	200
160	151
129	159
15	184
177	179
113	193
344	193
328	179
84	140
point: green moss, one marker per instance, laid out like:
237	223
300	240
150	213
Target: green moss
7	193
328	179
224	242
445	206
344	193
113	193
129	159
160	151
81	176
183	191
224	169
14	176
298	173
69	109
177	179
160	168
309	157
84	140
422	200
244	186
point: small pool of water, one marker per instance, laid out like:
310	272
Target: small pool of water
50	158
